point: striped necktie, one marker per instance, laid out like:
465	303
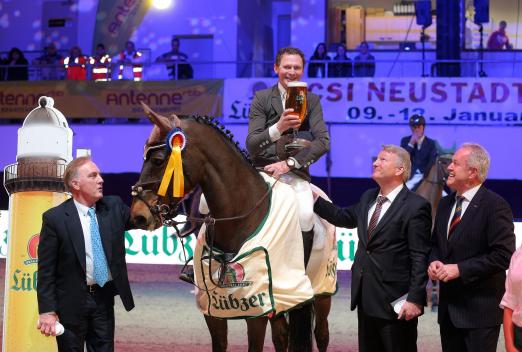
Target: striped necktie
100	267
457	216
375	216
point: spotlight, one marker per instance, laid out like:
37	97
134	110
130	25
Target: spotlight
161	4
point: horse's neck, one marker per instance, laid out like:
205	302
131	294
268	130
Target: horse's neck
233	188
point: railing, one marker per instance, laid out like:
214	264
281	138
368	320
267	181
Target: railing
392	67
30	175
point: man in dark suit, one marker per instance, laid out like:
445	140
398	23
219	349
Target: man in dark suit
472	243
393	225
81	262
423	151
269	121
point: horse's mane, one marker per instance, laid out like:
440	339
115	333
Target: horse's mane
219	127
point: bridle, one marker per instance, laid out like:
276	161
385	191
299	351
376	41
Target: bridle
440	171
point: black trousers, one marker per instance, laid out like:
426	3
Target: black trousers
96	326
454	339
383	335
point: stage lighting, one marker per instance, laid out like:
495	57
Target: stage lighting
162	4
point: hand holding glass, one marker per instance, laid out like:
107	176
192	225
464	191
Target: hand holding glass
296	99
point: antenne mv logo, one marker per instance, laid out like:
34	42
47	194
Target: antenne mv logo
233	275
32	249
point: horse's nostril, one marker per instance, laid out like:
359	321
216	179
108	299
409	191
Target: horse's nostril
140	221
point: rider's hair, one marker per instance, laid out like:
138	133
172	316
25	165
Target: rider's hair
71	171
289	51
404	159
478	159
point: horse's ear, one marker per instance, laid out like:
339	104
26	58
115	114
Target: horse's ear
177	121
161	121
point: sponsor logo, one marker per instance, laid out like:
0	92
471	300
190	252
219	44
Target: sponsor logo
232	275
32	249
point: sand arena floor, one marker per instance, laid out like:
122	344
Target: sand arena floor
166	317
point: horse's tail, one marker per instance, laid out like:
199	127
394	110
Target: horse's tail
300	328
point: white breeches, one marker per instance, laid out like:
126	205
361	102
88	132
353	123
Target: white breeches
305	199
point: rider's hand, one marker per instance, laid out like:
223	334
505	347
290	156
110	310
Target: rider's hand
288	120
277	169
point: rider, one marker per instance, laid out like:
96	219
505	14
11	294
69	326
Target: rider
423	151
269	120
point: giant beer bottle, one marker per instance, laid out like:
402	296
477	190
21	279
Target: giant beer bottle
34	184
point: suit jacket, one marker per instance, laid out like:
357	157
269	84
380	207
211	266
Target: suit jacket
395	260
265	111
424	158
481	245
62	277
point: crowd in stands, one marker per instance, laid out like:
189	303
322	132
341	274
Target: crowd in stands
125	65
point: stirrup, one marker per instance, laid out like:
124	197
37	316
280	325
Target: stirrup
187	273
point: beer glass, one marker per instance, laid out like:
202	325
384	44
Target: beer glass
296	99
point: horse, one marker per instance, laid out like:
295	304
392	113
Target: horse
431	189
212	160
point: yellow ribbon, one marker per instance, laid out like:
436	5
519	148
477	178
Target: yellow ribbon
175	170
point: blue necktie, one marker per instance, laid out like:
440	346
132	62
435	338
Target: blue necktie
101	269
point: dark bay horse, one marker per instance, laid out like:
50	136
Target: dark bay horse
431	189
236	196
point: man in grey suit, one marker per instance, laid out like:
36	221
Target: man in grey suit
472	243
269	121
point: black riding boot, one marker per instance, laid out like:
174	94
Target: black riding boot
308	241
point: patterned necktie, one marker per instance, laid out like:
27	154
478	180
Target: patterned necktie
101	269
457	216
375	216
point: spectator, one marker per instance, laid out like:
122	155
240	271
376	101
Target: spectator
76	65
317	69
177	59
364	63
130	63
499	40
101	64
50	63
343	66
16	66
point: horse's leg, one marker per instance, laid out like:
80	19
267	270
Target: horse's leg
279	328
218	332
256	328
322	309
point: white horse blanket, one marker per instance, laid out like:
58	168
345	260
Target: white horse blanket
267	276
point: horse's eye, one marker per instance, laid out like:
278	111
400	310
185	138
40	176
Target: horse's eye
157	161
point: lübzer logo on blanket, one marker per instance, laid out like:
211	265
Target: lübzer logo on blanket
231	302
233	276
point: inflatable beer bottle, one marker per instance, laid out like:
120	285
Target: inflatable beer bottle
34	184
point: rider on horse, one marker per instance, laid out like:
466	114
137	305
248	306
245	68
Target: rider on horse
423	151
269	121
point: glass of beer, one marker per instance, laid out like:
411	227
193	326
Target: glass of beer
296	99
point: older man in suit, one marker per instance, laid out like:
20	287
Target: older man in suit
472	243
81	262
394	226
269	121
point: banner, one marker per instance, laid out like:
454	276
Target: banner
116	99
445	101
116	21
163	247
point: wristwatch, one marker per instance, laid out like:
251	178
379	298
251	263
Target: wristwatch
290	162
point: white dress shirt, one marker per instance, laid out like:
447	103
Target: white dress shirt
386	205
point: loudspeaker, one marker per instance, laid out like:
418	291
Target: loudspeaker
423	12
481	11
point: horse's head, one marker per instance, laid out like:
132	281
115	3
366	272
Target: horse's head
151	207
443	162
